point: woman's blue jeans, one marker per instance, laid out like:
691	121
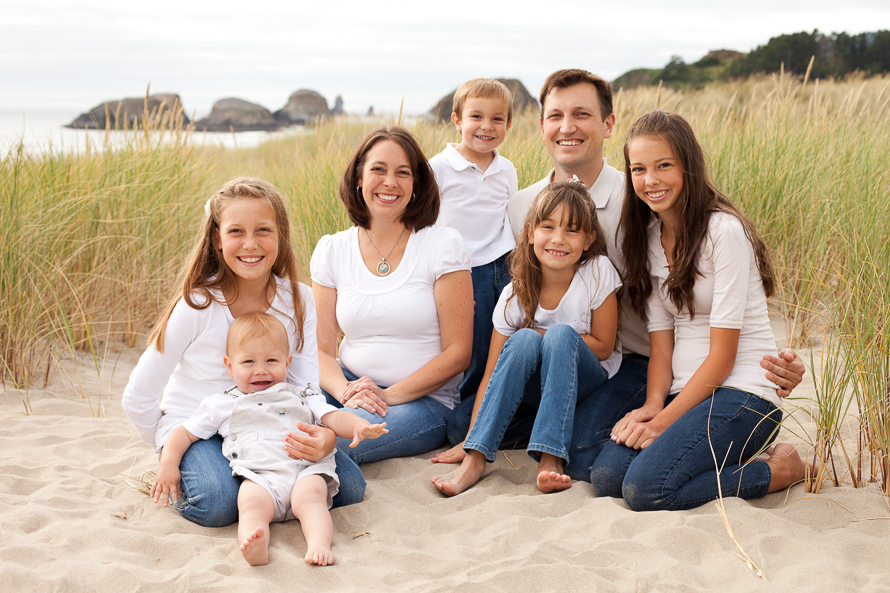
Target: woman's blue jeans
210	491
549	372
678	470
414	427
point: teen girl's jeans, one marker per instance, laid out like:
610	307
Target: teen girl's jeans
489	281
414	427
548	372
210	491
678	470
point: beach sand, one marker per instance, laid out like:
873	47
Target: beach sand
69	522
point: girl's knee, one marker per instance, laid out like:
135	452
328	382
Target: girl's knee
560	332
525	337
606	482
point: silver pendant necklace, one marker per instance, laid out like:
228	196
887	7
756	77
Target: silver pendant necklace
383	268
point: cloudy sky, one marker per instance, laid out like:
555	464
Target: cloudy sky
56	54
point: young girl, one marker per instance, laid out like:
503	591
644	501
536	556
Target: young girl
555	357
242	262
703	275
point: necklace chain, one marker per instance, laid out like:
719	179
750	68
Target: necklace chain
383	268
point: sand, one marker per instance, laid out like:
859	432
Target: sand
70	522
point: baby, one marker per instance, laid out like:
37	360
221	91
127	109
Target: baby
254	418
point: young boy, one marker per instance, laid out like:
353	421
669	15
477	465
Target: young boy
475	184
254	417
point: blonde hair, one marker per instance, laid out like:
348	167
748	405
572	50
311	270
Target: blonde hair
205	270
256	325
524	264
483	88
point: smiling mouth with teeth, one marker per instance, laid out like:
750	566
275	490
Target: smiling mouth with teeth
568	142
250	259
657	194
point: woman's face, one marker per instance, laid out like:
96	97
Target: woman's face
656	173
387	181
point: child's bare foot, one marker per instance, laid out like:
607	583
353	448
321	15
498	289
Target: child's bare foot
466	475
319	554
550	476
255	548
786	466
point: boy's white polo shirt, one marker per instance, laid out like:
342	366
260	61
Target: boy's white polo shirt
474	202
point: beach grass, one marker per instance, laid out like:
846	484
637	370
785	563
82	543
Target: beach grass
93	238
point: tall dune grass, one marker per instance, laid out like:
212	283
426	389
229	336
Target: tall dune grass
92	240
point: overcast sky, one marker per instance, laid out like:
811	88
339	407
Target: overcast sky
78	54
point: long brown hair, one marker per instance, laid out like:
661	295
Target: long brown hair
524	264
205	270
696	202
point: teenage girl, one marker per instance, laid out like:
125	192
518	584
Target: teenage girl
242	262
554	357
698	272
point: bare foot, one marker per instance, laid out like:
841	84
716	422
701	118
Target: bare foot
786	466
466	475
318	554
553	482
550	476
255	548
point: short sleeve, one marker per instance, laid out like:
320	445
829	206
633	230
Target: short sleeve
659	317
451	254
321	266
506	312
607	281
732	256
210	416
319	405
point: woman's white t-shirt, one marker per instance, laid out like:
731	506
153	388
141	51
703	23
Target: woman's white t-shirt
728	294
191	366
592	283
390	323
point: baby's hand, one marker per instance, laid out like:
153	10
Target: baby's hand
367	431
166	484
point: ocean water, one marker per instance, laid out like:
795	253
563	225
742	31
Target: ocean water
40	130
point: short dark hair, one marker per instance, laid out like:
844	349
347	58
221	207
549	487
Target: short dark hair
422	210
562	79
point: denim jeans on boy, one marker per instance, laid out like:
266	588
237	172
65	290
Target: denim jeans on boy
210	491
595	415
677	471
549	372
489	281
414	427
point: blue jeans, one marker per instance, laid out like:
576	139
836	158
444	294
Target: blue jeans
210	491
566	368
677	471
414	427
595	416
489	281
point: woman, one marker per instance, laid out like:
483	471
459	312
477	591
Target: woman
399	288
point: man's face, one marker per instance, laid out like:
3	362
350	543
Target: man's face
573	128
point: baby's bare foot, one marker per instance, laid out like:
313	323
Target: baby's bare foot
319	554
553	482
463	477
255	548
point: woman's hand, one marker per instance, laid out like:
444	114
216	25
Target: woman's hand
364	393
637	434
455	454
644	414
318	442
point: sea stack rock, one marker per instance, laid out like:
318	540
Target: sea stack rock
338	106
303	107
131	111
522	100
238	115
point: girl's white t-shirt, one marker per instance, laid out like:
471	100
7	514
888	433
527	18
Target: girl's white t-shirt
728	294
592	283
390	323
191	366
